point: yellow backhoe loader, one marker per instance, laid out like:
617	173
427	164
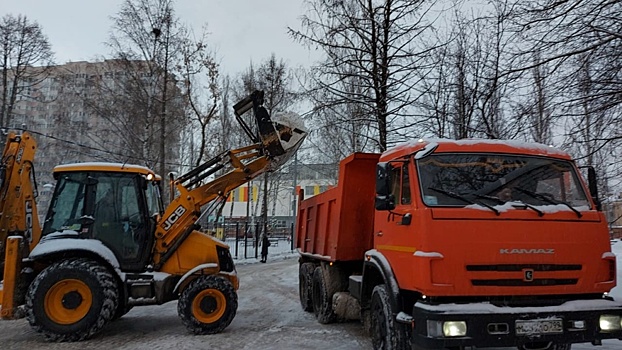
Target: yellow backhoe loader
108	244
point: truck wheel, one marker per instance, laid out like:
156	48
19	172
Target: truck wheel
208	305
386	333
305	285
322	302
72	300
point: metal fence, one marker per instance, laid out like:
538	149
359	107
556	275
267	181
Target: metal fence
244	237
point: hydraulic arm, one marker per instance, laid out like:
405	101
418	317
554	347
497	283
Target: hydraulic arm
274	144
18	212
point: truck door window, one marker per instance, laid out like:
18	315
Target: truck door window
401	184
405	199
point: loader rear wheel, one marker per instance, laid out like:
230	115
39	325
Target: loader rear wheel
72	300
208	305
322	301
386	333
305	286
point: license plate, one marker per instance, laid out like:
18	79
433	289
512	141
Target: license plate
533	327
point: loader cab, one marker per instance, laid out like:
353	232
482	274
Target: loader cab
118	208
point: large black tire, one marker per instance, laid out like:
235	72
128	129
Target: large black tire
72	300
305	286
208	305
386	333
322	300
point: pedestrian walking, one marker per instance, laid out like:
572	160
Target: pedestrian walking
265	243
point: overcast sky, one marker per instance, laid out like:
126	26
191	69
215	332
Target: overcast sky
241	30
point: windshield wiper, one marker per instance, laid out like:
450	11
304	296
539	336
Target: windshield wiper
548	200
492	198
501	201
463	198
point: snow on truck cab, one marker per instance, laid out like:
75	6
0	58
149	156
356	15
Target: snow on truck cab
461	243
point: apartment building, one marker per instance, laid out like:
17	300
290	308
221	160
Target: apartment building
91	111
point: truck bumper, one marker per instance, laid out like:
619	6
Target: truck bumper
488	325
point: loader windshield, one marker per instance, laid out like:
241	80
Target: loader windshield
496	179
68	203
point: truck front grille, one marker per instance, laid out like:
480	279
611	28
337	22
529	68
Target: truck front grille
520	283
521	267
505	275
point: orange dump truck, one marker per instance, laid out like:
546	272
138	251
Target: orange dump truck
449	244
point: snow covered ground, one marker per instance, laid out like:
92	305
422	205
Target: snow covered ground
269	317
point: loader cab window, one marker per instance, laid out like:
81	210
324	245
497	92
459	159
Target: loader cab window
401	184
67	204
119	221
154	199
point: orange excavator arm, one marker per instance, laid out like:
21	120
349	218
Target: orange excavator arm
18	208
274	144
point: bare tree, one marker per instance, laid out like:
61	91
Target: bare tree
148	43
201	77
467	93
375	41
581	44
274	78
22	46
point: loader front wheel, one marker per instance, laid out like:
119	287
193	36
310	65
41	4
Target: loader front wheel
305	286
72	300
208	305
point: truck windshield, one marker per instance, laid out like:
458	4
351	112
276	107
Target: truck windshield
495	179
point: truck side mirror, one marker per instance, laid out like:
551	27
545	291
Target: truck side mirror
592	183
385	200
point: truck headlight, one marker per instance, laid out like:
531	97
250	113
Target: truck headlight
439	329
609	323
454	328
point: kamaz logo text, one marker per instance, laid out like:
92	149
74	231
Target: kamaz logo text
173	218
527	251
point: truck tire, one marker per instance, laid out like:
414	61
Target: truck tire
386	333
208	305
72	300
322	301
305	285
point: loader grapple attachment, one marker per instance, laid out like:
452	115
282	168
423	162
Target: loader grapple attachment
279	141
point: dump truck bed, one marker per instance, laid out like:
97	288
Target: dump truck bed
337	225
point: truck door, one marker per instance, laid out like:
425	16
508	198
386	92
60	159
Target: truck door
395	234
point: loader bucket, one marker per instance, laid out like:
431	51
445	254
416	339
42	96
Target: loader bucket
280	141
